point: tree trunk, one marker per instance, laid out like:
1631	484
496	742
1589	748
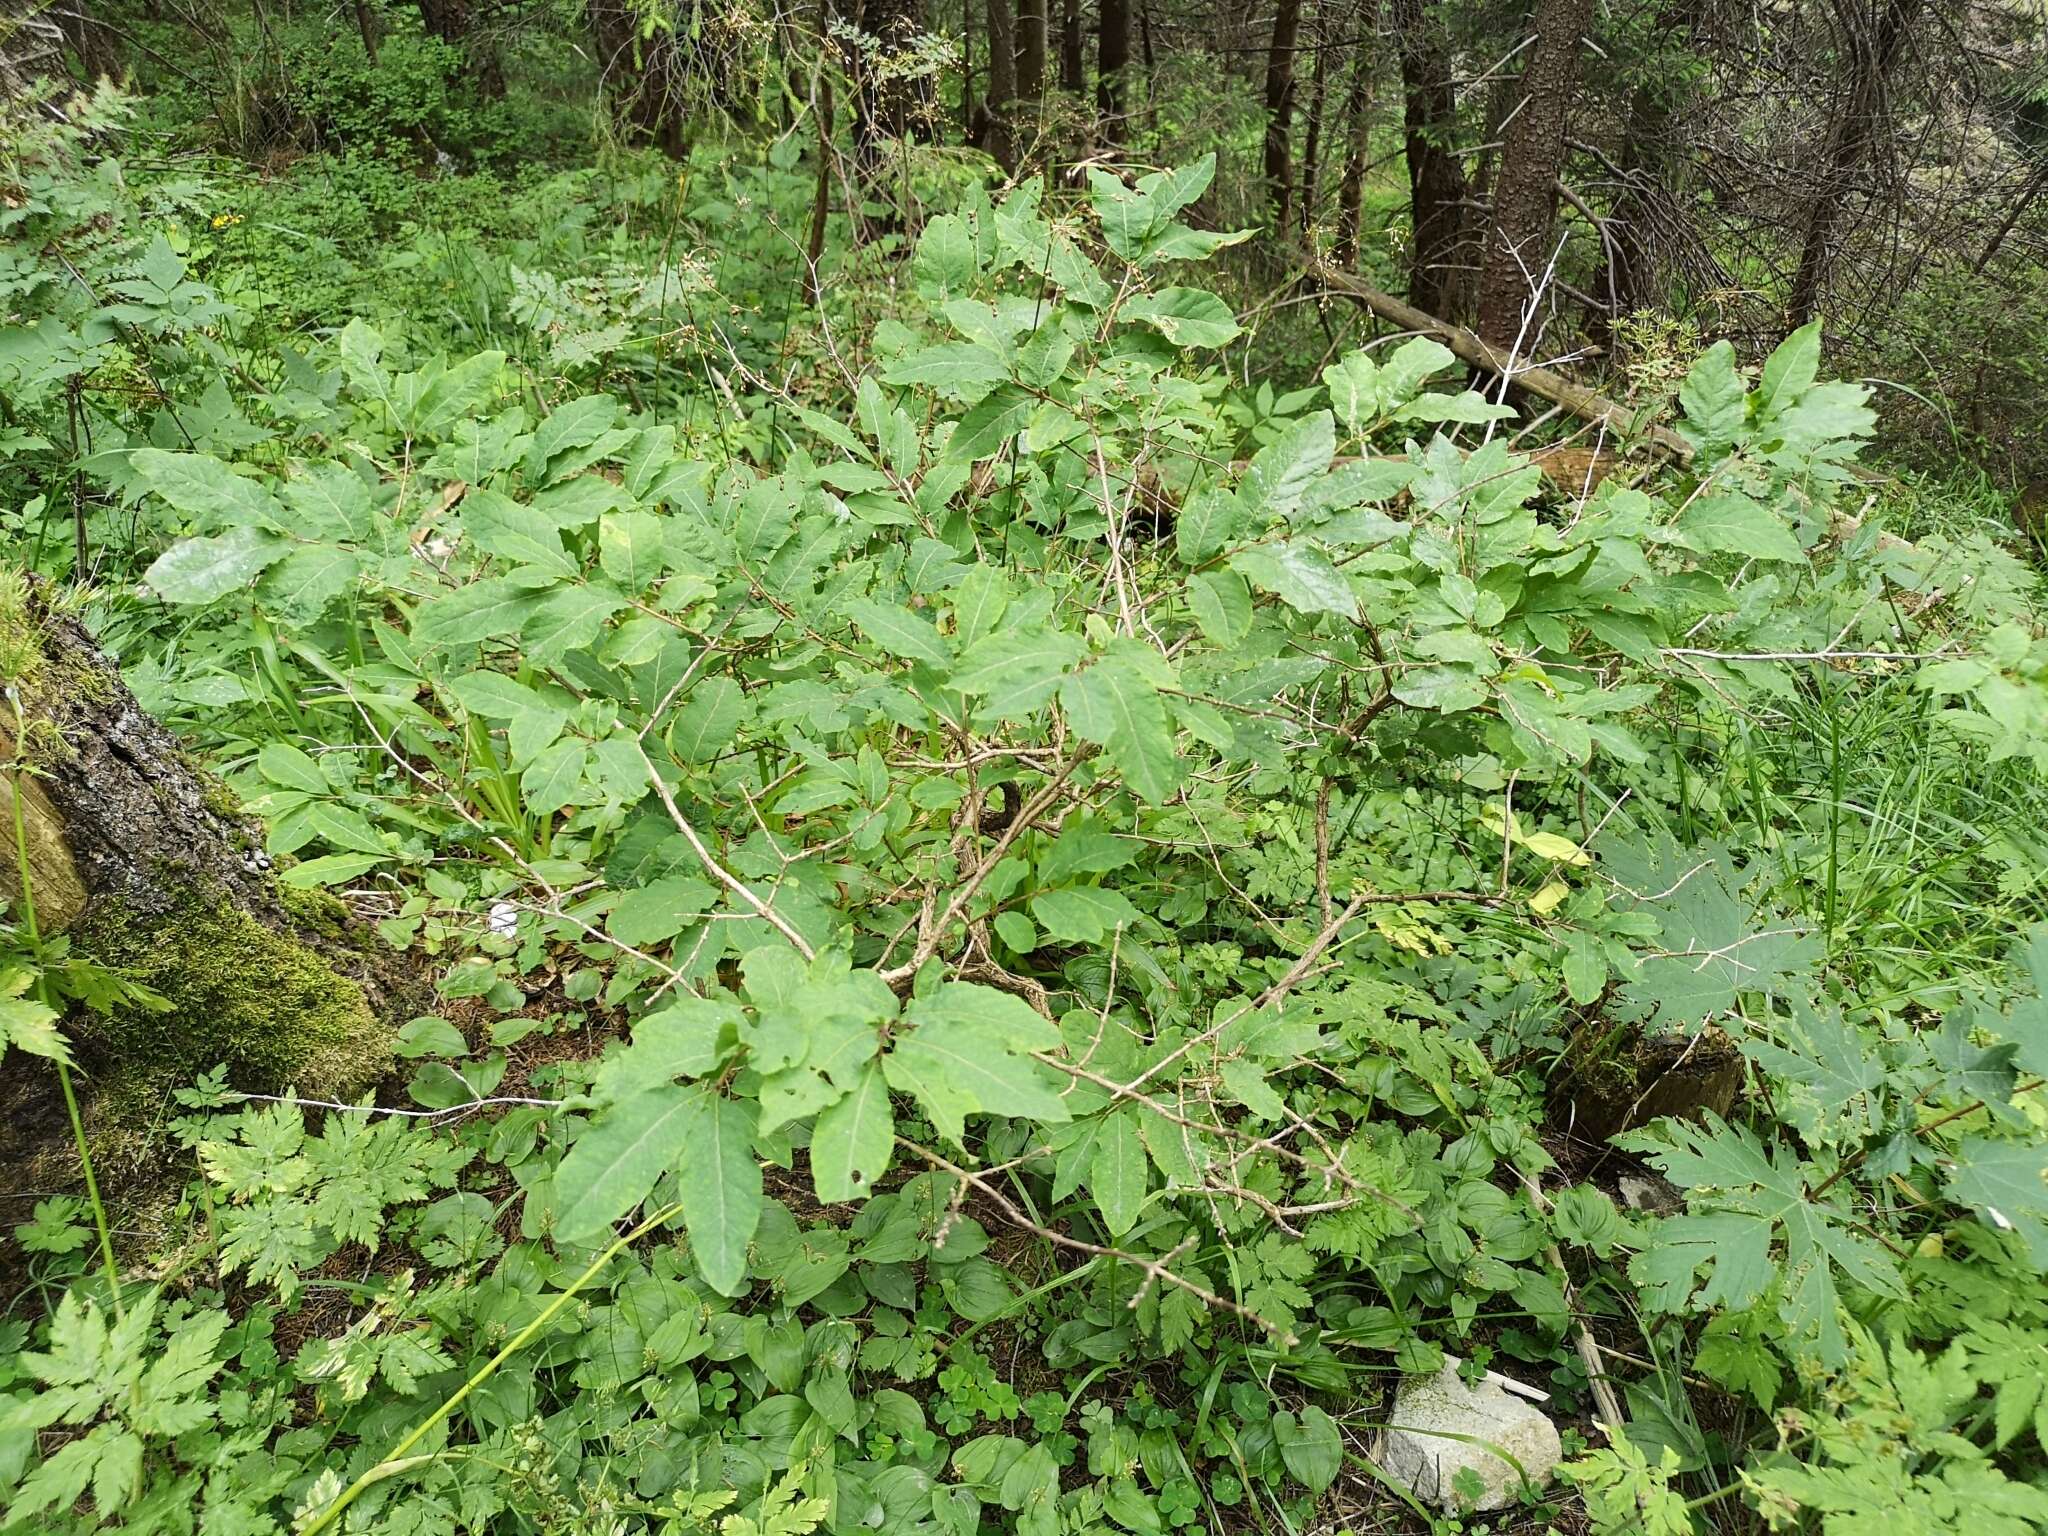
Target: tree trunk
143	864
454	23
1873	47
366	24
1112	67
641	77
1279	156
1436	180
1073	63
1031	50
1630	280
1312	132
99	56
1351	190
1532	153
1001	99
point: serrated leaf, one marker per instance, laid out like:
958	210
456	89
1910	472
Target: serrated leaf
1113	705
1207	521
614	1163
205	570
1735	525
900	632
1187	317
1016	672
1280	473
1300	575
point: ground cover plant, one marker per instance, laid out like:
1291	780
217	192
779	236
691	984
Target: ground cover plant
1013	924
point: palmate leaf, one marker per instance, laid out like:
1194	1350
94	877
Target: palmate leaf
2006	1182
1715	942
1753	1227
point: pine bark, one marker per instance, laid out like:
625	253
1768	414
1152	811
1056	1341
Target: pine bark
1518	244
1874	44
1112	67
1001	99
146	867
1279	147
1436	179
1073	62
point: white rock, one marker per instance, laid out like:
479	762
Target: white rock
1441	1426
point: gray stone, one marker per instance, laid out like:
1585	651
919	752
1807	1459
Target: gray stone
1441	1426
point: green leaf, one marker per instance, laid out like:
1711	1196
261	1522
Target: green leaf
1735	525
1281	472
1113	705
300	586
31	1027
708	720
1120	1171
1017	672
1082	914
1585	967
719	1183
900	632
1311	1446
1221	602
286	766
204	488
483	610
1789	371
961	369
1715	399
515	531
1187	317
1408	367
1208	520
1246	1083
1300	575
945	266
204	570
616	1160
1353	382
853	1140
2007	1183
629	548
955	1065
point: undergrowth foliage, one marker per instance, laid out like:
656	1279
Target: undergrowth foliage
1005	936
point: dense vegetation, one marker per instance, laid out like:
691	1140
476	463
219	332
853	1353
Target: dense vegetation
1047	858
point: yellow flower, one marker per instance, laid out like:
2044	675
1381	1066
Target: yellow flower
226	220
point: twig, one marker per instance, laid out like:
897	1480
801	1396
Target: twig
1155	1269
718	871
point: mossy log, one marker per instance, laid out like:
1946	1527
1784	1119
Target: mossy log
145	865
1629	1081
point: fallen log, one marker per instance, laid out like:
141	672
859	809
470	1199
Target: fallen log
1544	383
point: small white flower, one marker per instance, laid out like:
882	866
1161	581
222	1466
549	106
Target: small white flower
504	919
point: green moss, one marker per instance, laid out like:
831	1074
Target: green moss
263	1002
21	639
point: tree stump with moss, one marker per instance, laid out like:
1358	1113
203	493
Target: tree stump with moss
144	864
